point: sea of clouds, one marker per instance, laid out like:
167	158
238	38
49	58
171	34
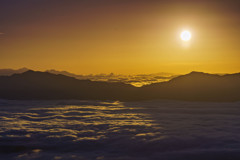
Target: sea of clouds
166	130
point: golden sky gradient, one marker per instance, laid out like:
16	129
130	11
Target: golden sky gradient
120	36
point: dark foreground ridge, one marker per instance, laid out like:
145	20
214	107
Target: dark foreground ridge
195	86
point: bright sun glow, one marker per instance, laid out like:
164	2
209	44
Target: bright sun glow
186	35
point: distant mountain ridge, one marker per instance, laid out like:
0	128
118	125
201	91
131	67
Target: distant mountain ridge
135	79
44	85
198	86
195	86
9	72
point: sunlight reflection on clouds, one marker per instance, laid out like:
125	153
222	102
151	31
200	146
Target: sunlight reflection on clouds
54	125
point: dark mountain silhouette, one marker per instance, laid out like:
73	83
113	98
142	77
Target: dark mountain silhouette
44	85
136	80
53	71
195	86
9	72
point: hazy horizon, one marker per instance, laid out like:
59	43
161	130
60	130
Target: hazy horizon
115	73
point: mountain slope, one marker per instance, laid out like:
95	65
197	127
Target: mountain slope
43	85
9	72
198	86
195	86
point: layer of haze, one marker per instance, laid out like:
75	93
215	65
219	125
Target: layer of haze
120	36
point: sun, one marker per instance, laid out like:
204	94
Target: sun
186	35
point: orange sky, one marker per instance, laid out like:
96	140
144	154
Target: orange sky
120	36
